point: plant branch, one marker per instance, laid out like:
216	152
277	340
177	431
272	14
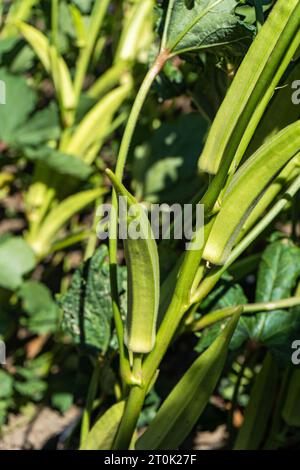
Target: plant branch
214	317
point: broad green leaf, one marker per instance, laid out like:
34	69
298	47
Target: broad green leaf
42	127
202	24
184	405
61	163
6	385
279	270
43	312
226	294
249	95
86	306
259	408
16	260
102	434
59	216
20	102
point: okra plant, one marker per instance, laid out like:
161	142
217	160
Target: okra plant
229	299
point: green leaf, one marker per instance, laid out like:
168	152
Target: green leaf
202	24
226	294
41	307
184	405
278	272
60	162
102	434
20	102
16	259
62	401
42	127
34	389
87	309
6	385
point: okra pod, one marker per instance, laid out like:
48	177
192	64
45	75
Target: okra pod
143	275
247	187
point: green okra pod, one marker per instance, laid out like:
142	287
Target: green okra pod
247	187
143	274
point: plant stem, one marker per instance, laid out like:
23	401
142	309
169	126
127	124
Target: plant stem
134	404
135	400
218	315
86	417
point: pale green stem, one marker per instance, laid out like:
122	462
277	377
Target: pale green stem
86	416
217	315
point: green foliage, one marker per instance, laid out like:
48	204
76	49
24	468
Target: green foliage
86	306
278	273
102	434
42	310
202	24
20	103
16	260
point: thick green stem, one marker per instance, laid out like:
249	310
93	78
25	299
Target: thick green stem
131	414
